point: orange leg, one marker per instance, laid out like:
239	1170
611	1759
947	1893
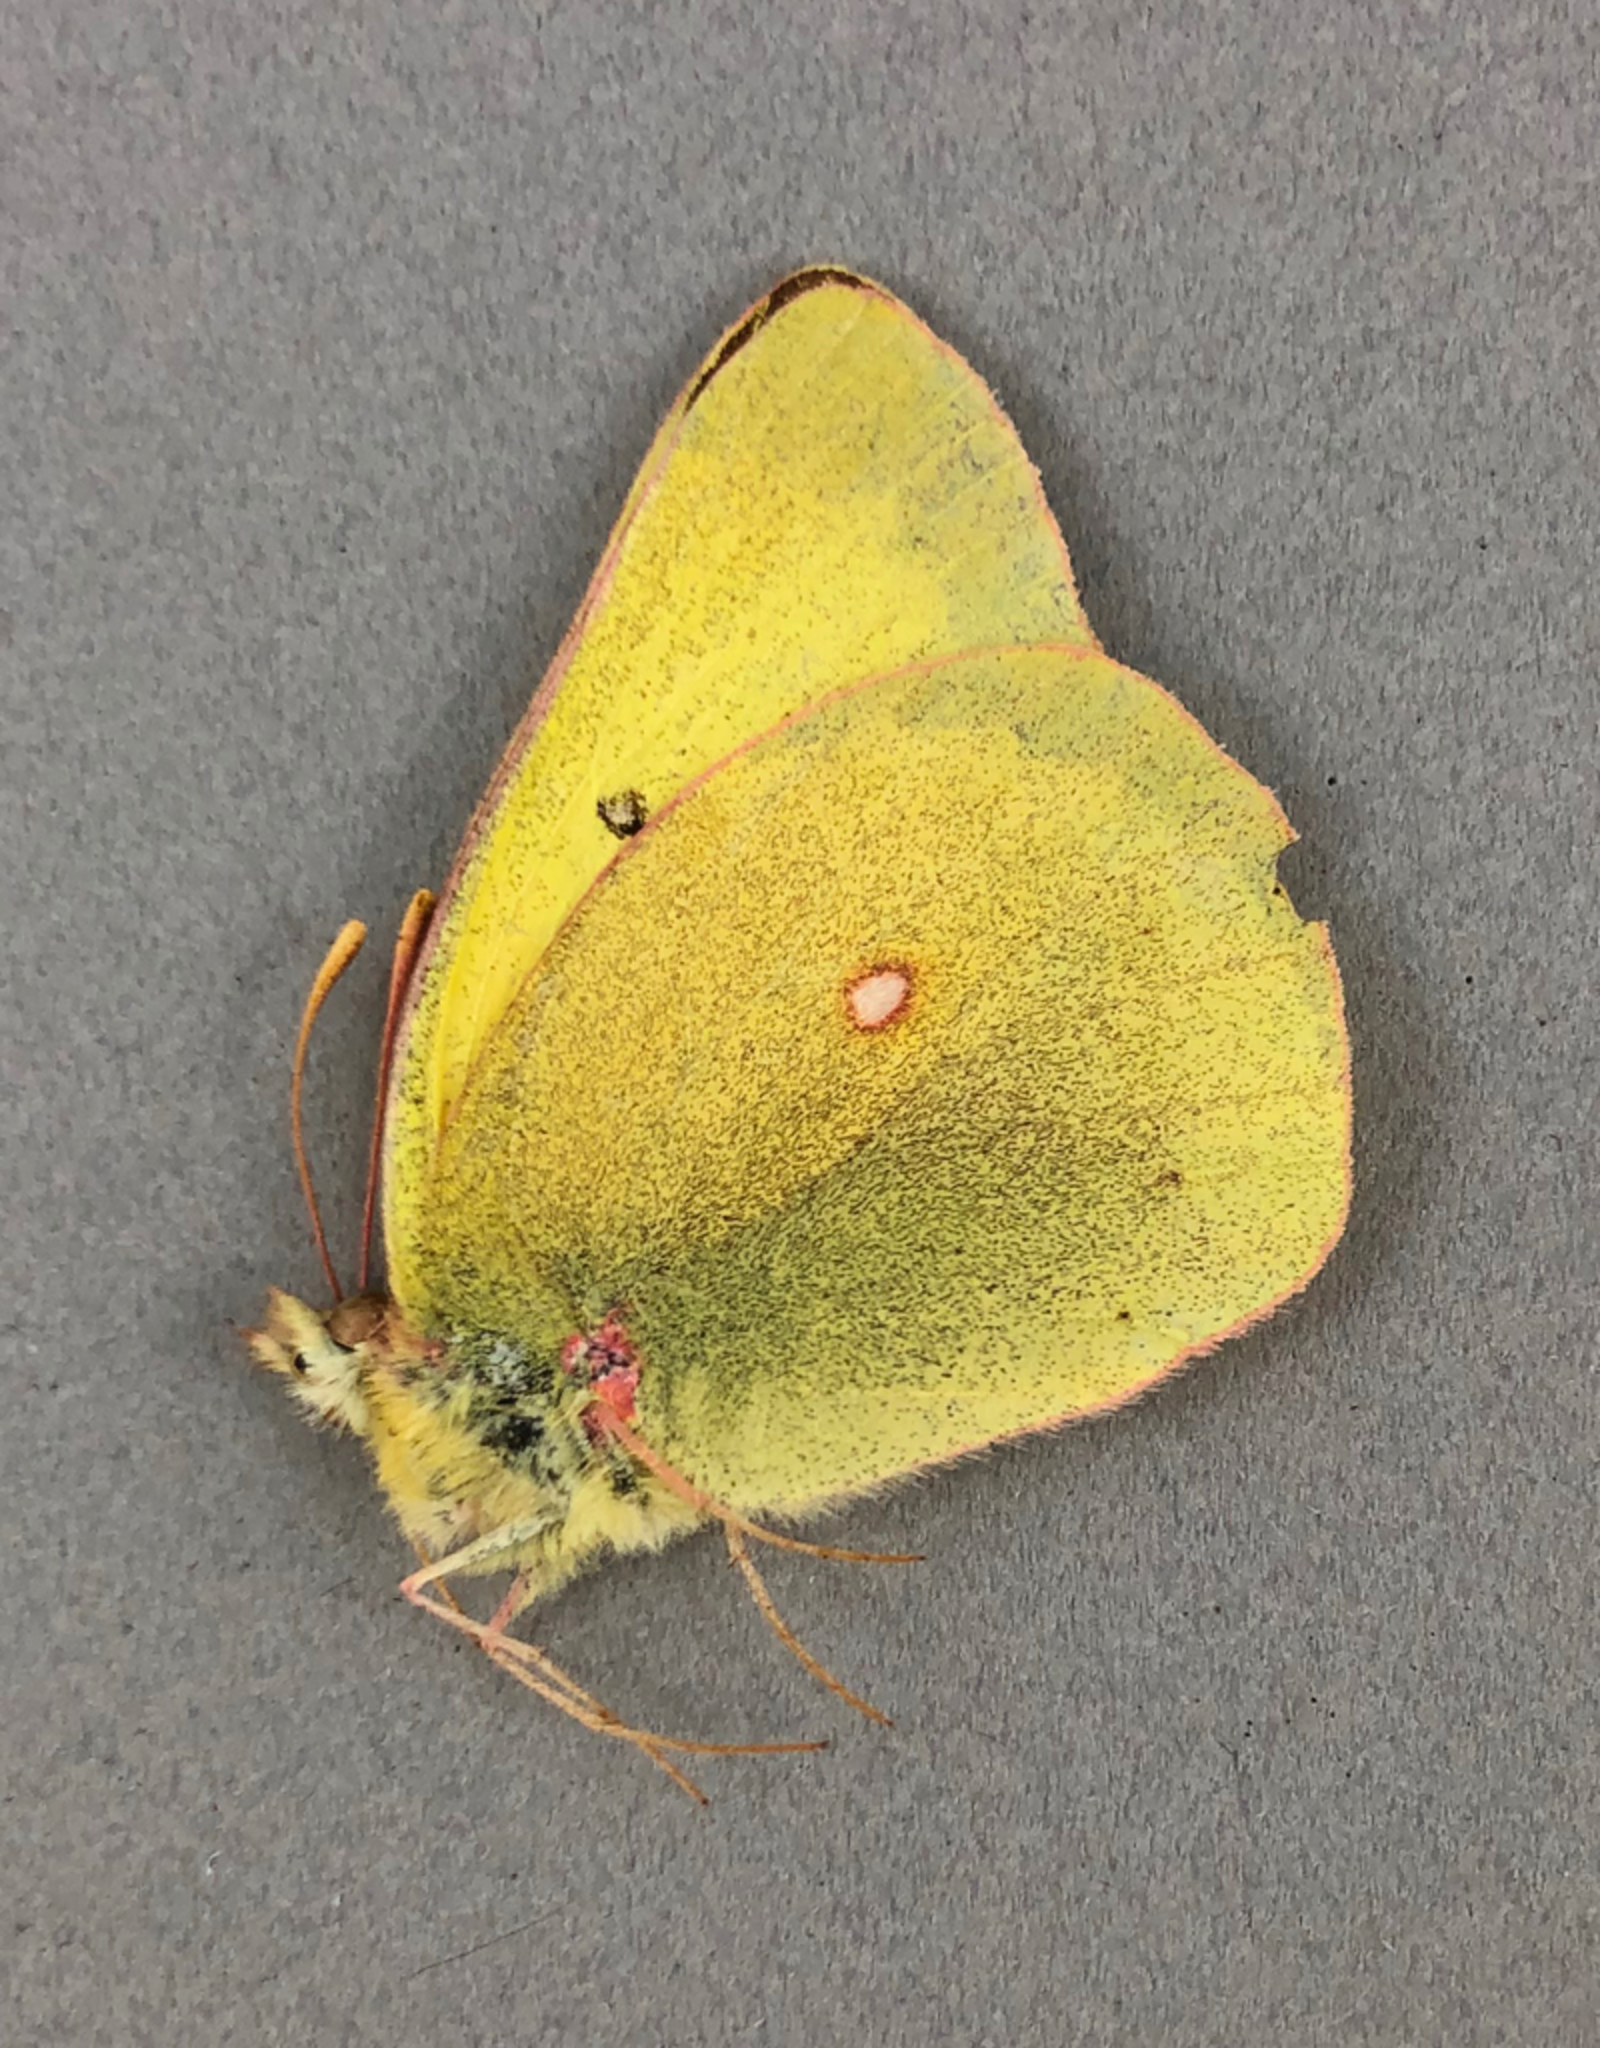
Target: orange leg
685	1489
531	1667
790	1641
735	1528
515	1600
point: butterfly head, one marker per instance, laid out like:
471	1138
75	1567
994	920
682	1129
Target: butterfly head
326	1356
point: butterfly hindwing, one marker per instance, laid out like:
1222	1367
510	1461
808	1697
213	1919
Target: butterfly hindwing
948	1062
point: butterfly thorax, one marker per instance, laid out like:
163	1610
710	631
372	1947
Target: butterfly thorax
471	1437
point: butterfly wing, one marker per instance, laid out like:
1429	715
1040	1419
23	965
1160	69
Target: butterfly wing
947	1062
834	494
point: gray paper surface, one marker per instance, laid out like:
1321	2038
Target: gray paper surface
1264	1712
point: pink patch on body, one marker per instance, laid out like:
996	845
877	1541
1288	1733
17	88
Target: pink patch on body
617	1389
878	997
606	1359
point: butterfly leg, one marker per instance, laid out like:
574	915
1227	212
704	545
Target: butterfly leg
608	1419
444	1592
510	1607
781	1629
735	1529
531	1667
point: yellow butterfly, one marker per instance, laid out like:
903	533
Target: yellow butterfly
863	1022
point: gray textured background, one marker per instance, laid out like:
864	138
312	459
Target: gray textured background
1264	1713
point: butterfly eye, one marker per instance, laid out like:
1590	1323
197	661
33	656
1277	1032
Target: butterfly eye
352	1323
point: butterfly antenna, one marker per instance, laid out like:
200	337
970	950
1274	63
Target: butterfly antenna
343	950
413	929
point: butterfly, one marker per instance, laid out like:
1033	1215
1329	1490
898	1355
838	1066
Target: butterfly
863	1022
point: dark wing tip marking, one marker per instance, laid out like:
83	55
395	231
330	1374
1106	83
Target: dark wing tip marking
781	295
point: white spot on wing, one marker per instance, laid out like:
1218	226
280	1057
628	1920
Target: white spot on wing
878	998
